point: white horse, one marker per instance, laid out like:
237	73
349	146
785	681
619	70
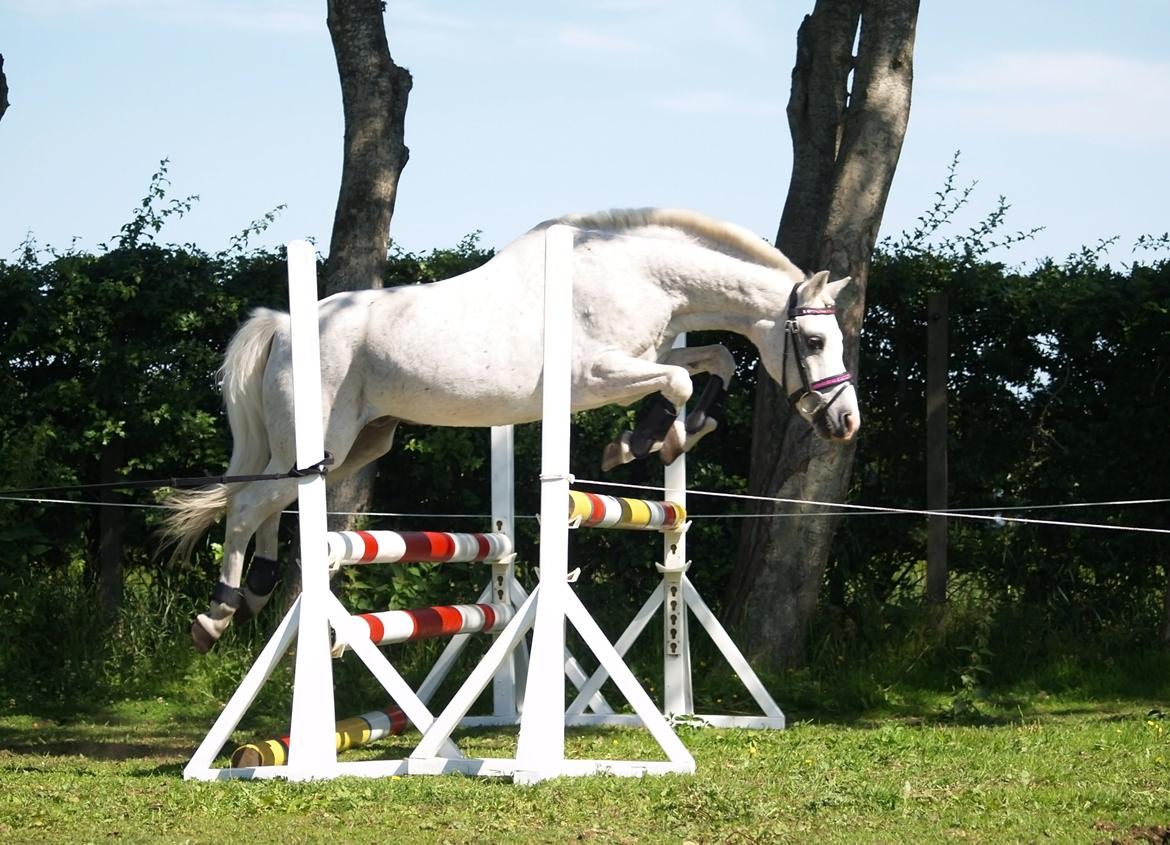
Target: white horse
467	352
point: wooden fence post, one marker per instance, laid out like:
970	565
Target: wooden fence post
936	446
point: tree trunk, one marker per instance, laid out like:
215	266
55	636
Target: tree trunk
846	136
374	93
3	89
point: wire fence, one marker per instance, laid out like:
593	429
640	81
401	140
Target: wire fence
990	514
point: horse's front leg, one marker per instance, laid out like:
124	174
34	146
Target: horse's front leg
719	363
658	427
621	379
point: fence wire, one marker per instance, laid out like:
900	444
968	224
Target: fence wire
993	514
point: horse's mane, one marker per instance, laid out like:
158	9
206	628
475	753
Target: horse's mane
692	222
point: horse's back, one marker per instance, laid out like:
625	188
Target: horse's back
454	352
467	350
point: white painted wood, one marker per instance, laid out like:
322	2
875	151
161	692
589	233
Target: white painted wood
503	480
510	676
677	691
654	721
443	726
199	767
480	767
730	651
312	748
542	725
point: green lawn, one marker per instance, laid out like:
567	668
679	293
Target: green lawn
1048	770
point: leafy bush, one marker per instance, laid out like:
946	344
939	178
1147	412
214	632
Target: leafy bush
1057	394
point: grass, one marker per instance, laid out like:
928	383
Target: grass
911	733
1034	768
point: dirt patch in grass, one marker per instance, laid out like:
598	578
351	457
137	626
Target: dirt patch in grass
1135	835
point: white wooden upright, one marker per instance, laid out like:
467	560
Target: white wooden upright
542	726
677	694
312	748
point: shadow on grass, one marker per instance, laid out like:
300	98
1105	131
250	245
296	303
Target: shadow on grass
33	745
111	735
993	712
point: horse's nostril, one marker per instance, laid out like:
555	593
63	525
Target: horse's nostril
849	424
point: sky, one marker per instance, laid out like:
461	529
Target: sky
523	110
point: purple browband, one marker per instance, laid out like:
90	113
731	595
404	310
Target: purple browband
808	312
830	381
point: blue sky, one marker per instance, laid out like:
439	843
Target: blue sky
525	110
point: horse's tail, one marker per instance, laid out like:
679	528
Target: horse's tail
242	376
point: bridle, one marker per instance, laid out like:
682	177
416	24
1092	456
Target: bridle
808	400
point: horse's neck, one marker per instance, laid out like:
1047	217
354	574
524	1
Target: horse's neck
717	291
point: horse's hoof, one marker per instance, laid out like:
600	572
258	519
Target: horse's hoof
618	452
611	458
201	637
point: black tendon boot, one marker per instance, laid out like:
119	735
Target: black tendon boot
263	574
709	407
652	427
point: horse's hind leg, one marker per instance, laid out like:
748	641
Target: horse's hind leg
371	443
264	501
263	571
249	508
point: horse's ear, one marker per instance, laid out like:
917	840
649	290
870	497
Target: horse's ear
813	287
833	289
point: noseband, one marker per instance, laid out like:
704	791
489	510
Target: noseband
808	399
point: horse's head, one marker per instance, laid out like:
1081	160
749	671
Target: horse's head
810	365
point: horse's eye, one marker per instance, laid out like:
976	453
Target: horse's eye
815	342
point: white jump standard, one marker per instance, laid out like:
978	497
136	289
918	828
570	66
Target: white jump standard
676	595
